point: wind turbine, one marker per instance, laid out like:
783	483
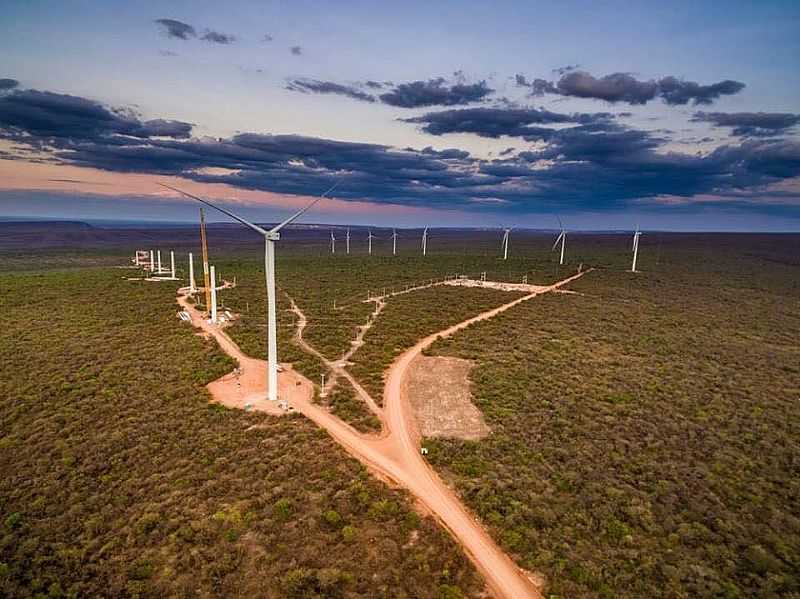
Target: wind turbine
347	241
333	243
270	237
369	240
394	242
635	248
562	237
504	243
425	242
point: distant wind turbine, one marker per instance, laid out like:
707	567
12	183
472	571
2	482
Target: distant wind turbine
504	243
425	242
394	242
562	237
370	236
333	243
270	237
347	241
635	248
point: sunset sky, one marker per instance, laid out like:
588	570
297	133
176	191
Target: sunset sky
672	115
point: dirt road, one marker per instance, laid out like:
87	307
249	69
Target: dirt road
395	454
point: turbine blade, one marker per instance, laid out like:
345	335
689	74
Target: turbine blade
300	212
557	240
207	203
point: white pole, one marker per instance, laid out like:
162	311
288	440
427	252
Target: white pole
152	264
505	246
563	241
348	242
425	242
159	261
172	262
213	296
635	250
370	243
394	243
333	243
272	343
192	286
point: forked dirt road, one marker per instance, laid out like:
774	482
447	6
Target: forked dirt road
395	454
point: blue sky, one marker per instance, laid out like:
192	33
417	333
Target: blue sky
682	114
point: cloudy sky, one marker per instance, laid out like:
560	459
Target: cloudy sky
678	115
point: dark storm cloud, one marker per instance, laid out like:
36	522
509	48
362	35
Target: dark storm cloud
624	87
177	29
435	92
498	122
216	37
745	124
296	50
617	87
6	84
444	154
579	161
44	115
328	87
676	91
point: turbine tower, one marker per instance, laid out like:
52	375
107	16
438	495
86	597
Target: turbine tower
394	242
333	243
369	240
347	241
635	248
204	244
213	296
270	237
152	263
192	284
425	242
562	237
504	243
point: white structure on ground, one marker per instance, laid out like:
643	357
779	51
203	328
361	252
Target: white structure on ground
159	271
270	237
152	263
213	296
333	243
394	242
562	238
635	248
369	241
504	243
347	241
192	285
425	242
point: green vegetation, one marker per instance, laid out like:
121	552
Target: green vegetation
409	317
645	434
118	479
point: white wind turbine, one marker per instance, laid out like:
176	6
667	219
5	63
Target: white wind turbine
425	242
347	241
504	243
394	242
635	248
370	236
562	237
270	237
333	243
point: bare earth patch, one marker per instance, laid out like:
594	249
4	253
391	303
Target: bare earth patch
438	389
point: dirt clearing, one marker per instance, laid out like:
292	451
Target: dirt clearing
438	390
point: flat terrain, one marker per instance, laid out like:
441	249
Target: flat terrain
438	389
642	431
118	478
